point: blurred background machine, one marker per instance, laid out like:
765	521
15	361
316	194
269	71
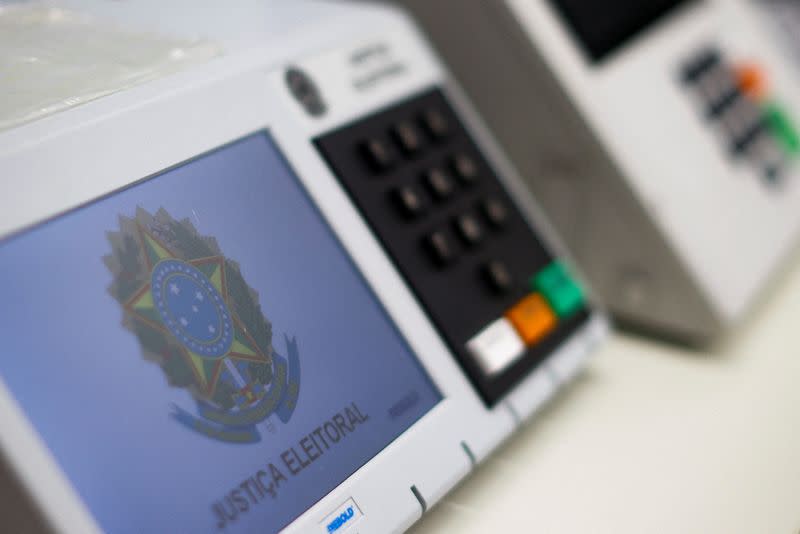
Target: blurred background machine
659	136
783	16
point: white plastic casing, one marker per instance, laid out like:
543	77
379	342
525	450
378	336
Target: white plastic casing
68	159
728	227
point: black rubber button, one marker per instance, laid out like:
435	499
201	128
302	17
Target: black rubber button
409	201
435	123
378	154
495	212
724	102
701	64
407	138
742	143
439	183
469	229
497	276
440	248
465	168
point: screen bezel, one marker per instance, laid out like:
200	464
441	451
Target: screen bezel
598	53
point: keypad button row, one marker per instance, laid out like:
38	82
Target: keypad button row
737	98
701	64
439	186
407	139
470	228
554	296
443	251
436	186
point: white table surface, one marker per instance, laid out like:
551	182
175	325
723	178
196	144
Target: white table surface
656	438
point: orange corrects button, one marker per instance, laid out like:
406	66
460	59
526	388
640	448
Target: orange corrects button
752	80
532	318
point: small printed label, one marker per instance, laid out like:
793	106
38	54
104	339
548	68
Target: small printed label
343	517
344	82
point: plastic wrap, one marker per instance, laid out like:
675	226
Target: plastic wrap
52	59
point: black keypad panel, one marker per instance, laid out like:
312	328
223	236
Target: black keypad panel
447	223
755	130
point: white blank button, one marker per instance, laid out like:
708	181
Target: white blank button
496	347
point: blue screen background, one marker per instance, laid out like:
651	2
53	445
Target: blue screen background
103	410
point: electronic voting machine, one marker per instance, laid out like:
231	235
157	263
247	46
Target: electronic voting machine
296	286
660	137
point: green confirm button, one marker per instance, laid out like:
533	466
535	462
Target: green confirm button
563	294
781	125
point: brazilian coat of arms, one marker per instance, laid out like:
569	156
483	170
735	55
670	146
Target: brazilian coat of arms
195	316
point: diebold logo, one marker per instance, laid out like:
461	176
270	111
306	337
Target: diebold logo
195	316
341	519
